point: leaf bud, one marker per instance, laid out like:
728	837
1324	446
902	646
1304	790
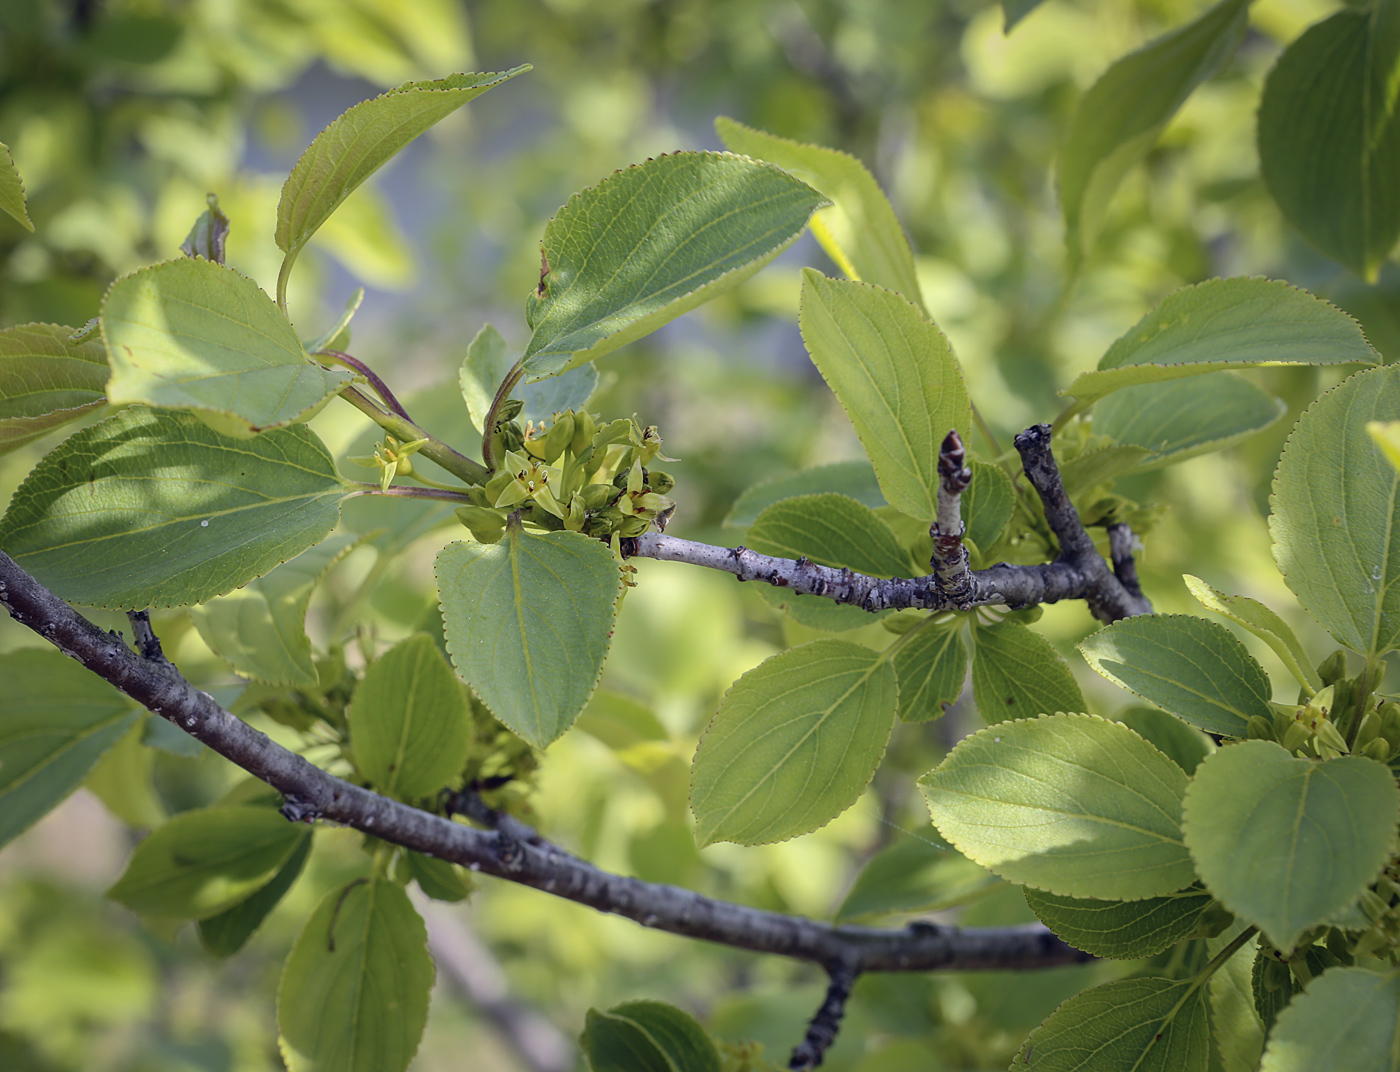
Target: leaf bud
1260	728
1328	734
1333	668
509	410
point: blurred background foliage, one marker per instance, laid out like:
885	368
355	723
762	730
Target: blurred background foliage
122	115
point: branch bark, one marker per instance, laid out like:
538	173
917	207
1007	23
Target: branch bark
821	1032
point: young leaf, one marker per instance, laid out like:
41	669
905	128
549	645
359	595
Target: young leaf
931	669
1260	621
225	934
12	190
652	242
203	862
1347	1018
647	1036
528	622
1072	804
795	741
46	380
1148	1025
1336	504
1197	670
192	334
1184	745
1122	115
410	727
1227	324
915	874
55	723
354	992
359	142
1183	418
1122	930
488	361
1286	842
894	373
260	629
1017	673
987	504
859	231
156	509
1329	139
855	480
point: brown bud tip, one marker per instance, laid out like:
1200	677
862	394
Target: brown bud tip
952	464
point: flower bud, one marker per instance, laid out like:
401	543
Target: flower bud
1333	668
584	428
486	526
660	482
1379	750
1260	728
1296	736
1369	730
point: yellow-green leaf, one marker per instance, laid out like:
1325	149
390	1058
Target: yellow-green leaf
46	380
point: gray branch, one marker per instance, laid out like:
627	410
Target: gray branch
949	561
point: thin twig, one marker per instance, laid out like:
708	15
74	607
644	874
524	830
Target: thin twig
949	559
410	491
821	1032
380	387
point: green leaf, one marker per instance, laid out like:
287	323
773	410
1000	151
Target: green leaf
1329	142
1122	930
931	668
359	142
1227	324
855	480
260	629
153	509
1100	466
859	231
1348	1018
987	504
192	334
437	879
1197	670
915	874
410	726
1184	745
1336	504
46	380
56	722
1235	1023
354	992
485	368
1017	673
1015	10
208	235
1123	113
1272	985
1286	842
12	190
1262	622
225	934
528	622
894	373
1181	419
1071	804
647	1036
1147	1025
122	779
651	242
203	862
794	743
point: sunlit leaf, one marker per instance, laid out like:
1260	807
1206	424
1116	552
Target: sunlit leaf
46	380
931	668
1347	1018
1017	673
987	504
1123	930
1262	622
12	190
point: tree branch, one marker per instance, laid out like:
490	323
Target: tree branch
312	793
821	1032
949	561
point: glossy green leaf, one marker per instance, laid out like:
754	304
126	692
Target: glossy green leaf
1147	1025
1329	140
226	933
410	727
192	334
855	480
1183	418
651	242
46	380
360	141
1286	842
931	668
859	231
1196	669
1336	504
647	1036
528	621
485	367
1227	324
354	992
1262	622
1122	930
1071	804
437	879
203	862
1123	113
915	874
1348	1018
260	629
894	373
987	504
156	509
1184	745
12	190
1017	673
795	741
56	722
